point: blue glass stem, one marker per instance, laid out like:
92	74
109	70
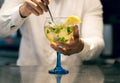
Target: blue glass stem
58	69
58	78
58	59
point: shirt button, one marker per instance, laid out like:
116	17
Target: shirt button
12	26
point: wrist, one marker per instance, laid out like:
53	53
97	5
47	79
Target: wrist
81	45
23	11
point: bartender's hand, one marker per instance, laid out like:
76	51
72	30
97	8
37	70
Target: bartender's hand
36	7
76	44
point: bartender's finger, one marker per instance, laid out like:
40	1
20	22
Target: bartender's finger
41	5
65	45
58	48
46	1
76	32
33	11
34	8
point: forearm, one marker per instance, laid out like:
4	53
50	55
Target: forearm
92	31
92	48
10	21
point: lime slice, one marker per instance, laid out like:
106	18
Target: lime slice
73	20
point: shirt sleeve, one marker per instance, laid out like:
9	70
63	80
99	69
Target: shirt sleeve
92	30
10	19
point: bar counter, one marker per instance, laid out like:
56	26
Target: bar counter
36	74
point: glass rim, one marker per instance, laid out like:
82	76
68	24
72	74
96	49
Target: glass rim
56	17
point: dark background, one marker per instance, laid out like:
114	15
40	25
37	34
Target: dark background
112	16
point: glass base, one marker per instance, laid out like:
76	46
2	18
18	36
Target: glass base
58	70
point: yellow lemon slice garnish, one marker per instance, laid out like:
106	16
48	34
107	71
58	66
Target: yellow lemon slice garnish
73	20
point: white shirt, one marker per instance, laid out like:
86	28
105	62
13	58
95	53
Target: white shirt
35	48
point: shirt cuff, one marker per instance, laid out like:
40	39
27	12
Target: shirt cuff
85	53
17	20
